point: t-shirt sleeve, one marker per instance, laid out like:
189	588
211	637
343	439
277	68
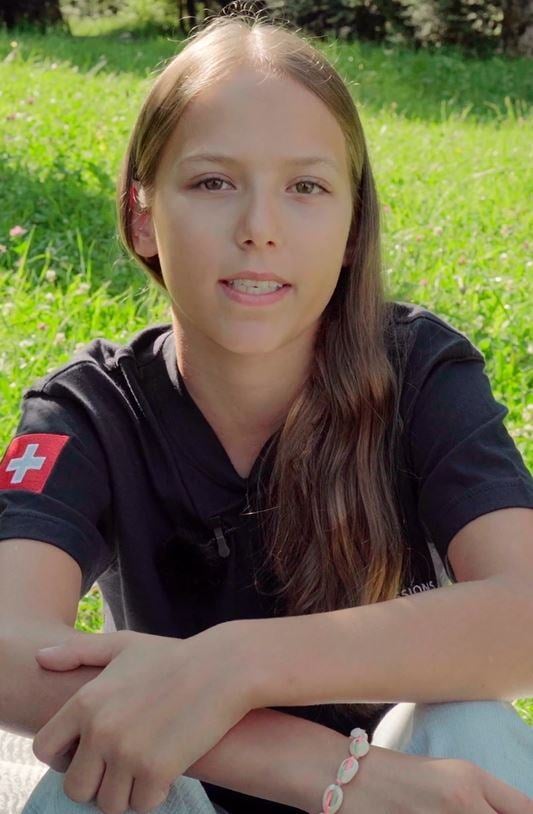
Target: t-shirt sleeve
465	463
54	484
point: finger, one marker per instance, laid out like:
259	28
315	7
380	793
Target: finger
84	775
147	795
504	798
59	657
115	789
91	649
60	763
57	736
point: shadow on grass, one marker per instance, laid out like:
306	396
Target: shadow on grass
74	228
137	51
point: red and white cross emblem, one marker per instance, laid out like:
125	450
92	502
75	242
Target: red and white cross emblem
29	461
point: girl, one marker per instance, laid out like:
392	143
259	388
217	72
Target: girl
276	490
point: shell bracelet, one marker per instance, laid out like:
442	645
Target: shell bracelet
333	796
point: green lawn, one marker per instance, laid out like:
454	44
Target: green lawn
448	138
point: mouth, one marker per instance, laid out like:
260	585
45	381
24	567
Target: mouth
254	298
230	280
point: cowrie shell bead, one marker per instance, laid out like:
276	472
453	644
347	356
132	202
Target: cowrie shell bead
359	748
347	770
358	731
332	799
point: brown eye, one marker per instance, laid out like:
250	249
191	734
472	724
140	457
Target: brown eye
216	178
208	180
310	184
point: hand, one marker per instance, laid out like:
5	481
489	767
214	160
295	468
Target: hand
388	781
159	705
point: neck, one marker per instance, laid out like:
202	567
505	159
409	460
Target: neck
245	397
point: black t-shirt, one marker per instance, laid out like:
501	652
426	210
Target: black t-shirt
113	462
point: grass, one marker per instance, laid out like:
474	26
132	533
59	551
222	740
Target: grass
449	142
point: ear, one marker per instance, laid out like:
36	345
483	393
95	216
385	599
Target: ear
143	235
142	231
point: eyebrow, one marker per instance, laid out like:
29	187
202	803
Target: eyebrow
228	159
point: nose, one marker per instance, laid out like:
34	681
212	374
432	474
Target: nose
259	219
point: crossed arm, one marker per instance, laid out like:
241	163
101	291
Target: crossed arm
466	641
462	642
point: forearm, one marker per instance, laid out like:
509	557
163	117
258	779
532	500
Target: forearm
29	695
268	754
468	641
275	756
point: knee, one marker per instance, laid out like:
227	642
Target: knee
48	797
432	728
490	734
481	731
462	722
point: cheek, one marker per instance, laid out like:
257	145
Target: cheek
191	243
326	278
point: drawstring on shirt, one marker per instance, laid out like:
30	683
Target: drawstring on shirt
216	524
223	548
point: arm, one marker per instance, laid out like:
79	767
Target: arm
468	641
29	695
268	754
277	757
464	642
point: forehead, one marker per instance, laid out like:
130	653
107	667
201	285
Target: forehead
259	119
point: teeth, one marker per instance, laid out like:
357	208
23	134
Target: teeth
254	287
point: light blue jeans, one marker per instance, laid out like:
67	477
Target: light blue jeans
490	734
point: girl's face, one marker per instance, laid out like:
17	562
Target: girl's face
262	209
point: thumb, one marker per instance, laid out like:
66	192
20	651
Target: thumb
91	649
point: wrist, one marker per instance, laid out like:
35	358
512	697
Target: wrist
353	792
250	646
275	756
325	755
241	668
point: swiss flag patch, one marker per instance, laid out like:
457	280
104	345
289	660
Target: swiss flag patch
29	460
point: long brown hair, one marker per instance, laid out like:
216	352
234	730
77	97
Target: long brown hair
329	514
